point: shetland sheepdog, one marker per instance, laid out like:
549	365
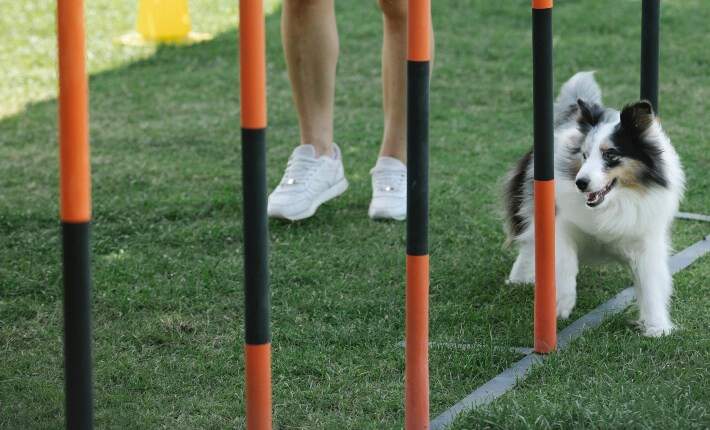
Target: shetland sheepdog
618	186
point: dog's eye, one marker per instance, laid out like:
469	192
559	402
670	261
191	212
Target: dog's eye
584	155
610	155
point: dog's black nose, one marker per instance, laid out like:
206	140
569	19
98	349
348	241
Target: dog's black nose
582	183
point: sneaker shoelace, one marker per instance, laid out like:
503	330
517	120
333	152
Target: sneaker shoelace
389	179
299	170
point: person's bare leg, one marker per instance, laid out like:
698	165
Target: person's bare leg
394	78
310	40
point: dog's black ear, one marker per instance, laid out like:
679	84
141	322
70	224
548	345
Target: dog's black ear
589	114
637	117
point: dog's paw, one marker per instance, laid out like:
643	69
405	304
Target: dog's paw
658	330
565	306
564	314
520	280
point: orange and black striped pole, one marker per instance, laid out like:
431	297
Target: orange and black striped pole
257	349
545	324
650	24
417	294
75	212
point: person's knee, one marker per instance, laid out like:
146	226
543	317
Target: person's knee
304	6
394	9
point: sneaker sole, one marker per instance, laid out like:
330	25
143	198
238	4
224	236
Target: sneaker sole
326	195
386	215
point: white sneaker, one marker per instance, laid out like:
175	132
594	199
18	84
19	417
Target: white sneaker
389	190
308	182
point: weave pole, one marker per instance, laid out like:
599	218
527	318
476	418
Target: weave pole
417	292
257	309
545	325
650	24
75	212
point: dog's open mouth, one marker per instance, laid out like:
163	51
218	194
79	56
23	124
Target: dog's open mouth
595	198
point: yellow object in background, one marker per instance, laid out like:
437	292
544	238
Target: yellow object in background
168	21
163	20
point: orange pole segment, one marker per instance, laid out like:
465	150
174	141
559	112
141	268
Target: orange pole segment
252	62
74	165
419	33
417	343
258	386
545	330
541	4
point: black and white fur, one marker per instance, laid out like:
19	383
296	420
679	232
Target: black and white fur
619	183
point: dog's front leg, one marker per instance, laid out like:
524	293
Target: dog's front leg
654	286
523	271
567	266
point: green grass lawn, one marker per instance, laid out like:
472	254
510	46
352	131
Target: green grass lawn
167	240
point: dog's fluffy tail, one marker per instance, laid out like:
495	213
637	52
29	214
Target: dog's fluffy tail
580	86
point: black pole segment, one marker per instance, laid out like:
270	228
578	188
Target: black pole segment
257	298
650	23
77	326
417	157
542	95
